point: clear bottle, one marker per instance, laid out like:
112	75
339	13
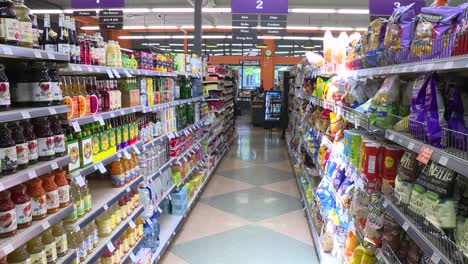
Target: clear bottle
72	243
93	229
82	250
19	256
87	239
86	197
50	247
74	36
36	250
25	24
60	237
103	222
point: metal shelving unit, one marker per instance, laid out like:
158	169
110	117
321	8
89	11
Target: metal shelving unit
15	52
32	112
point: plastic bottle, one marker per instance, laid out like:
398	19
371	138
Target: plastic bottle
51	189
22	151
63	188
7	151
28	132
81	246
50	247
37	193
93	229
87	238
60	237
59	136
5	97
86	194
22	205
36	250
103	222
8	225
19	256
72	243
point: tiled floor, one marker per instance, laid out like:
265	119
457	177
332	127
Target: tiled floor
250	212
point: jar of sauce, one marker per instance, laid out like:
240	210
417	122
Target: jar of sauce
23	205
63	188
8	225
19	256
22	151
51	189
59	136
60	237
5	97
28	133
36	250
38	198
45	139
7	151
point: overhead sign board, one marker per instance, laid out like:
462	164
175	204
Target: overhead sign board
248	24
274	31
274	24
259	6
110	13
244	34
111	19
274	17
107	20
384	8
110	26
94	4
84	13
245	17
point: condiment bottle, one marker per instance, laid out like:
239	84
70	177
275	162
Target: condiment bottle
5	98
28	132
36	250
25	24
112	216
8	225
22	151
60	237
23	205
19	256
63	188
45	139
75	197
51	189
7	151
9	34
50	246
104	224
125	245
59	136
38	198
86	194
73	245
78	198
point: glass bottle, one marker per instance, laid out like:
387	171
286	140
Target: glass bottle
5	96
48	41
36	250
59	136
38	198
71	39
75	198
23	205
34	88
63	188
25	24
81	245
60	238
93	98
7	151
79	202
8	224
72	243
28	132
51	189
80	97
75	41
45	139
9	32
63	44
48	240
69	97
103	222
93	230
84	93
56	84
19	256
35	31
21	145
87	204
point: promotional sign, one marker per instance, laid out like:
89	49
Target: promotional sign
83	4
84	13
259	6
384	8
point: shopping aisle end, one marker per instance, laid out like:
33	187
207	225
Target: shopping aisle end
250	211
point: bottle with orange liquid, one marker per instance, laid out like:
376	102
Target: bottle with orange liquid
117	173
68	98
79	96
82	86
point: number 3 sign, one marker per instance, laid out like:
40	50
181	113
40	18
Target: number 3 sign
259	6
386	7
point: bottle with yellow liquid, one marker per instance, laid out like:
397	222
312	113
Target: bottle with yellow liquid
36	250
103	222
48	240
79	96
73	245
81	82
60	236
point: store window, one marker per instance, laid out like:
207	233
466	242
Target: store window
279	68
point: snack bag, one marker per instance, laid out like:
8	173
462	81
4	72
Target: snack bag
399	28
373	231
435	109
418	113
352	242
328	46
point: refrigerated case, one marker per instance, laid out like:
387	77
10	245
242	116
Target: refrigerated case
273	105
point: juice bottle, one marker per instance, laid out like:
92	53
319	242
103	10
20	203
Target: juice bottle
19	256
81	246
60	237
125	245
86	197
68	98
103	222
25	24
56	85
113	216
72	243
63	188
7	151
79	202
126	169
5	98
84	93
104	141
131	236
28	133
34	87
45	139
93	97
117	173
118	213
87	239
37	193
107	257
51	189
8	224
94	232
36	250
136	164
112	137
82	102
96	142
22	151
50	247
59	136
23	205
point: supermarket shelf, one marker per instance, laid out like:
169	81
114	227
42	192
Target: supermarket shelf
231	97
219	82
126	258
100	117
187	74
447	64
7	245
118	231
158	107
170	224
14	52
112	72
32	172
95	166
222	76
214	99
68	258
418	237
27	113
439	155
192	170
103	196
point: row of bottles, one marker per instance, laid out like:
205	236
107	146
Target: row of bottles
124	244
23	143
20	26
96	142
156	91
81	198
32	201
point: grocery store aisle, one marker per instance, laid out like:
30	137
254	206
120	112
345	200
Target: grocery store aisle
250	212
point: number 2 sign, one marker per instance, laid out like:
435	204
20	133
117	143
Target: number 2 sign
259	6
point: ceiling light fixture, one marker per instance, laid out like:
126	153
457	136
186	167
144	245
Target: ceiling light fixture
134	27
90	28
352	11
211	45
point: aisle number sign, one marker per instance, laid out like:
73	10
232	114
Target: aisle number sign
384	8
259	6
77	4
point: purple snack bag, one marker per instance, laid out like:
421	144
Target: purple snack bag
434	35
435	109
454	114
399	28
418	114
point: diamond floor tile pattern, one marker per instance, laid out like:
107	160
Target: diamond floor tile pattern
222	185
247	245
288	187
257	175
254	204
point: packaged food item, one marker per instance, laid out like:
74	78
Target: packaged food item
60	237
373	230
22	205
435	109
408	169
38	198
403	191
417	200
400	28
352	241
36	250
391	232
358	255
19	256
328	46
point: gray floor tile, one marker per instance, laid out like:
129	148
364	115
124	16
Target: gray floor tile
254	204
257	175
247	245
